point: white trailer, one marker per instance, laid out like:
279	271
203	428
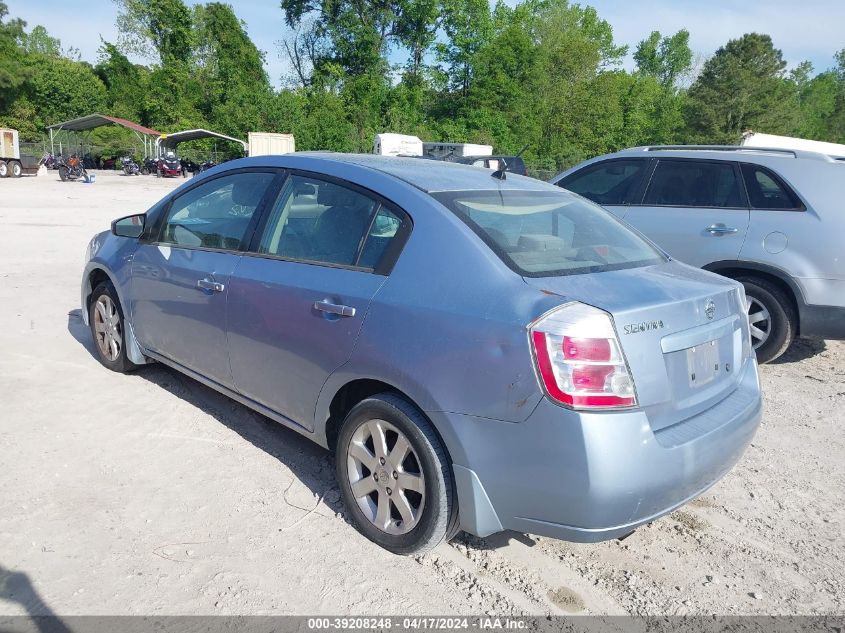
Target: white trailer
390	144
11	163
756	139
455	150
266	143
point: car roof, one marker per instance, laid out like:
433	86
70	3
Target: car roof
427	175
737	152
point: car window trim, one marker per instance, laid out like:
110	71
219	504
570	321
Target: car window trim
779	180
639	191
737	174
269	194
391	254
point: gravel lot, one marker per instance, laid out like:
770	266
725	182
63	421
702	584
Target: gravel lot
151	494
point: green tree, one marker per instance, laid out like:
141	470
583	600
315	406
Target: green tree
13	69
468	25
125	82
156	27
230	76
668	59
743	86
39	41
63	89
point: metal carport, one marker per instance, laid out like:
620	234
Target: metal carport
171	140
82	124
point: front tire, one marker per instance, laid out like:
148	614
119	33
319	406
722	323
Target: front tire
395	476
772	317
105	317
63	173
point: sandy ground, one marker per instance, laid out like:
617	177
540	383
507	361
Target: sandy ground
151	494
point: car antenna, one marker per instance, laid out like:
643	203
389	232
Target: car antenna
500	173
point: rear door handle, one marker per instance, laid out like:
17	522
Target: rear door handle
720	229
210	284
333	308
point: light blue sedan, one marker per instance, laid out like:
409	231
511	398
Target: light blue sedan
482	351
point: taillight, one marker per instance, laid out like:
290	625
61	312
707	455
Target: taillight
579	358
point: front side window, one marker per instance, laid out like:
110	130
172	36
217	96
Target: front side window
692	183
610	183
767	191
324	222
216	214
546	233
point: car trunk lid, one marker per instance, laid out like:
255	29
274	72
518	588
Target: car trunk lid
683	331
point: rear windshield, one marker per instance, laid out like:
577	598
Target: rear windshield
546	233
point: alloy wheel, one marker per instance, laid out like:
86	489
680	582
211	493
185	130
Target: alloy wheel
385	477
107	328
760	321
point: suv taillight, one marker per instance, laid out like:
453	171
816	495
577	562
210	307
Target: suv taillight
579	359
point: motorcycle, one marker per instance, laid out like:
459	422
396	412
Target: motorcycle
206	166
130	167
169	167
49	161
149	166
72	169
189	166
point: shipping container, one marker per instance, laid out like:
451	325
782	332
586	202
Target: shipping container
266	143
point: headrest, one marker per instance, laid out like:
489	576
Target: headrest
247	192
331	196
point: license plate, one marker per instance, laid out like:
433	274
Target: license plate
703	363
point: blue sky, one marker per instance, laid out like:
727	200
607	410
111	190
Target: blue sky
808	30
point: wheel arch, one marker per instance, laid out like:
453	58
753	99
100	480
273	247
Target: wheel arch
350	393
780	278
94	276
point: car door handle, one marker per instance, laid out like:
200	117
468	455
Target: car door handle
720	229
333	308
209	284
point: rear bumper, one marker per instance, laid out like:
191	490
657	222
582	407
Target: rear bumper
592	477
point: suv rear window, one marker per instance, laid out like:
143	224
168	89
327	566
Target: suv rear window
548	233
767	191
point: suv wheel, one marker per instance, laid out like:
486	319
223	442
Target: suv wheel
771	316
395	477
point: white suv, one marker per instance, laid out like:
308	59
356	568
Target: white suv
772	219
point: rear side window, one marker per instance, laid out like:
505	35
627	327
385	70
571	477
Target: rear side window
215	214
324	222
767	191
692	183
546	233
609	183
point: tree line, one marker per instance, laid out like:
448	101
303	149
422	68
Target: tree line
544	74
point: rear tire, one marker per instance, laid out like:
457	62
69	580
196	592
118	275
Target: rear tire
4	169
414	481
105	318
774	322
15	170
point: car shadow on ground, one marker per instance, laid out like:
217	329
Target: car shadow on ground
17	588
311	464
801	349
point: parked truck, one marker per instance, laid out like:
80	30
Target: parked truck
448	151
390	144
266	143
12	164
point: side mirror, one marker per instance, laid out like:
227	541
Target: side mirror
130	226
